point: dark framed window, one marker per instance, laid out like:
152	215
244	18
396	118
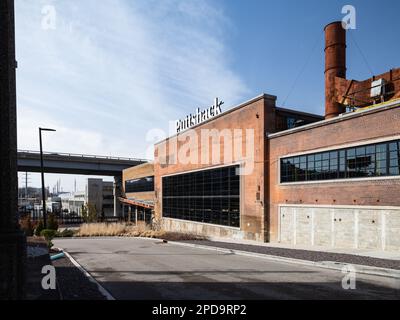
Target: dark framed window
209	196
140	185
373	160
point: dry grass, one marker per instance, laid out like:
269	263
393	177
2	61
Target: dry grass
128	230
102	229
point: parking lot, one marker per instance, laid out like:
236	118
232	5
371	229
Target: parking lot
130	268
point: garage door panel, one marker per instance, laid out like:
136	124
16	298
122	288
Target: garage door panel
303	226
369	229
392	230
341	227
287	225
322	227
344	233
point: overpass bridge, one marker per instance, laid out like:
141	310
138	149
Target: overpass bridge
68	163
81	164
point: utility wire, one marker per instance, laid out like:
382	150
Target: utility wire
302	69
361	53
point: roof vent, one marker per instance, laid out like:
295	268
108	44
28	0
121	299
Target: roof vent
378	88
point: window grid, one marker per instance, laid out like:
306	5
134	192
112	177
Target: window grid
140	185
373	160
209	196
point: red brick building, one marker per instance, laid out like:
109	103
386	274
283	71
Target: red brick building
264	173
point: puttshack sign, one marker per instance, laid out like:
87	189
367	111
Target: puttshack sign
199	116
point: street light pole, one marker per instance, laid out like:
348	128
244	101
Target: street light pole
44	209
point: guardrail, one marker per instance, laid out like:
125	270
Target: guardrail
66	219
77	155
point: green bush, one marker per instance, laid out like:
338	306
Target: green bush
52	222
48	234
39	228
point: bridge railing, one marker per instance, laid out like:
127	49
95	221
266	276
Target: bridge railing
67	219
78	155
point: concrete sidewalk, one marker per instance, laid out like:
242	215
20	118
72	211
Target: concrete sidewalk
379	254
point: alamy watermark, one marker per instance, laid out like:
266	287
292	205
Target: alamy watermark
49	280
205	147
349	20
349	280
49	17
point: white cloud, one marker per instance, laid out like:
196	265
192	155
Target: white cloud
113	69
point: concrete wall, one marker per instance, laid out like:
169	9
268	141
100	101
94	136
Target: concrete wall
202	229
359	227
360	128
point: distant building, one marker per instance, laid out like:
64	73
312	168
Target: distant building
73	202
98	194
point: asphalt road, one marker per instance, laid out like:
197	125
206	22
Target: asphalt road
138	269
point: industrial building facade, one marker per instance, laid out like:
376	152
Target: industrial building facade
337	183
269	174
212	197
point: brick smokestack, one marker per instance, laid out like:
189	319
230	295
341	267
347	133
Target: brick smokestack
335	66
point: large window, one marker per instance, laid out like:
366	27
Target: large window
373	160
210	196
140	185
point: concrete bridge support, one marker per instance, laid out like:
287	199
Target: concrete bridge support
117	192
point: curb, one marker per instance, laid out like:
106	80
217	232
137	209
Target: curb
332	265
103	291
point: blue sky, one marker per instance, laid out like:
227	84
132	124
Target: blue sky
111	70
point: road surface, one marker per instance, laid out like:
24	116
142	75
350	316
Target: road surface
138	269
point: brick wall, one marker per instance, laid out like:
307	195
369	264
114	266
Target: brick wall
257	114
364	126
141	171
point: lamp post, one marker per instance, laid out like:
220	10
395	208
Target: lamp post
42	173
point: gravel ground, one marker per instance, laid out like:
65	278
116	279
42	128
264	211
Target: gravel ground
37	258
34	290
73	284
303	254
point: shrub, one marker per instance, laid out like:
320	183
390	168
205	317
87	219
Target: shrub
48	234
52	222
39	228
89	213
27	226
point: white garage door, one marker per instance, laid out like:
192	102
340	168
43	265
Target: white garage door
341	227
